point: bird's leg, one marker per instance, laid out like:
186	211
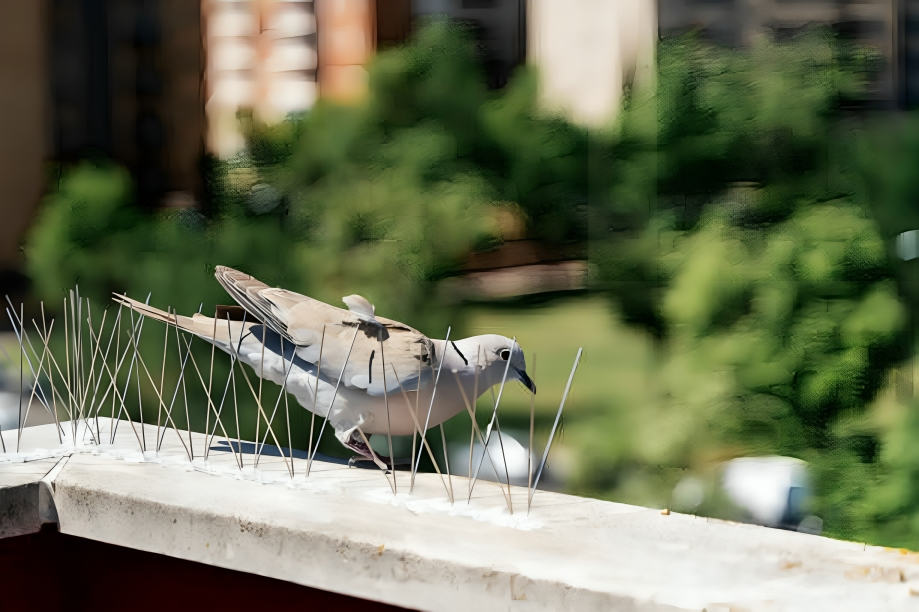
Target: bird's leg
365	454
358	446
363	451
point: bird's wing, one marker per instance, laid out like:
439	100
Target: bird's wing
300	320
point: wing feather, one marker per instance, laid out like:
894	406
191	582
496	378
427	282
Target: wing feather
300	320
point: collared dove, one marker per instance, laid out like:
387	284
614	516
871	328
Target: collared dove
296	322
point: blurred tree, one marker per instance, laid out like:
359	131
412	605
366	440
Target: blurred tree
769	119
763	274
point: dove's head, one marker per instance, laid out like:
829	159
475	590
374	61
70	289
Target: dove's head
492	353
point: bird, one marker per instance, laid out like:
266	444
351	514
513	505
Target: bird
333	359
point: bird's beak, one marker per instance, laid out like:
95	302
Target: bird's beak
529	384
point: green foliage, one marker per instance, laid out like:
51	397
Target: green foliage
718	116
775	336
89	233
430	125
760	115
764	277
779	310
766	121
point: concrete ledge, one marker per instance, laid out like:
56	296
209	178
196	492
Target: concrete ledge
21	496
19	510
342	530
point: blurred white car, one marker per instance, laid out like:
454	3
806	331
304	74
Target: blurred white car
770	491
514	452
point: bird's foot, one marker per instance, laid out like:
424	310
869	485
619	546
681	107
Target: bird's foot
365	453
390	462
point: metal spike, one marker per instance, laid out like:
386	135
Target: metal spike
507	476
392	458
140	401
210	404
290	440
92	365
115	327
417	428
261	411
54	361
287	370
20	424
122	402
486	452
191	446
98	379
79	370
239	443
11	313
309	448
494	415
67	359
138	329
41	362
230	377
159	397
117	366
558	416
377	461
532	428
261	380
443	441
210	381
78	351
57	424
74	380
92	368
334	396
415	433
175	393
159	411
431	407
472	414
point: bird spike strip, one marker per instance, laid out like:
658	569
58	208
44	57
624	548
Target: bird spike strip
72	378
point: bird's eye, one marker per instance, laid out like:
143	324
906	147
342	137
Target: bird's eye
505	354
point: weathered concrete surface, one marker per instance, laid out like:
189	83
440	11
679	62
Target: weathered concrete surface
20	496
342	530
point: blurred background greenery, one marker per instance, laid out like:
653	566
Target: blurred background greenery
738	220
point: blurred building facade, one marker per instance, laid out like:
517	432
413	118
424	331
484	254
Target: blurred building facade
588	53
156	84
260	54
22	109
124	82
890	26
499	25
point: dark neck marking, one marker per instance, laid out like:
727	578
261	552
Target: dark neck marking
459	352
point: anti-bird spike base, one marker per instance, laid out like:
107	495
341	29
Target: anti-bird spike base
351	389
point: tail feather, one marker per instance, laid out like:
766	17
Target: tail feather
182	322
199	325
